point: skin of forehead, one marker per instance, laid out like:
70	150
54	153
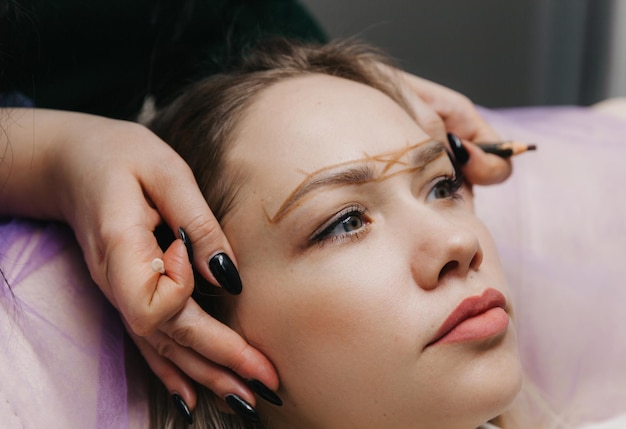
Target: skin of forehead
389	160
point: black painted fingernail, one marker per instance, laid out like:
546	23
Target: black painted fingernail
460	153
225	273
182	408
242	408
264	392
183	236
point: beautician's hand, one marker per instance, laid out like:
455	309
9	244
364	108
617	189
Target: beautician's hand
114	182
440	110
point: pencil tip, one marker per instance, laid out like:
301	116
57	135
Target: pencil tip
532	147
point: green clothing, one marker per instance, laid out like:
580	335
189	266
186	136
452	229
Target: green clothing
105	56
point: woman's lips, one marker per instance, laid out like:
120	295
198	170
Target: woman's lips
475	318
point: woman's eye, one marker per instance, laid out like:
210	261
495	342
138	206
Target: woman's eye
347	224
445	189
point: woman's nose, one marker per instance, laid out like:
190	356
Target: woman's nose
448	250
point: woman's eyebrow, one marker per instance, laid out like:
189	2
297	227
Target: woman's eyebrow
358	172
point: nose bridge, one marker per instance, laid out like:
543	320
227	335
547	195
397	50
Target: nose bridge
442	247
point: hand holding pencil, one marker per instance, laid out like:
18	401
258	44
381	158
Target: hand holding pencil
504	149
478	167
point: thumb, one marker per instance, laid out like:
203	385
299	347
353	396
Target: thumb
176	196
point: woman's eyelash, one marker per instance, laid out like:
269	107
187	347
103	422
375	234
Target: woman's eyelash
458	174
352	217
449	184
454	181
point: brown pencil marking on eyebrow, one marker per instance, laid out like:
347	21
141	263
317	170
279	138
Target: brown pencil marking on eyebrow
394	158
343	174
267	215
388	158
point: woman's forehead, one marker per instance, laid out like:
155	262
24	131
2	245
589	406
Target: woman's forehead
308	124
311	122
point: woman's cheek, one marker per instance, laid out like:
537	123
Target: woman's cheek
319	303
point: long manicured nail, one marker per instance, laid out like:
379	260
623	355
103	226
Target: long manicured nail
225	273
460	153
242	408
183	236
182	408
264	392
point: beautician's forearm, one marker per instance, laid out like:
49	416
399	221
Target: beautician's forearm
27	182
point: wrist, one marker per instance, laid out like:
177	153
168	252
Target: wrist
25	143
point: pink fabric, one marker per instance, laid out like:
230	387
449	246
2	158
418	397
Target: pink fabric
62	356
560	223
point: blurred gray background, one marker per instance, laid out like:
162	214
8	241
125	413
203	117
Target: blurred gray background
498	52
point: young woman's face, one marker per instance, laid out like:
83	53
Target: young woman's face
358	254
